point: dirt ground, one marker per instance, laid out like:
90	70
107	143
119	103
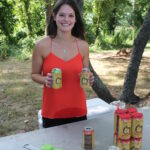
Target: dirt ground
20	97
112	70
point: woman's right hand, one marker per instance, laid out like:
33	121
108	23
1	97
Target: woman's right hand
49	80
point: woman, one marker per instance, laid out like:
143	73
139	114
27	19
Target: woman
63	48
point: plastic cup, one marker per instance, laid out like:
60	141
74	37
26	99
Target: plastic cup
119	104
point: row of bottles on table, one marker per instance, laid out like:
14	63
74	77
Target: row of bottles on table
128	129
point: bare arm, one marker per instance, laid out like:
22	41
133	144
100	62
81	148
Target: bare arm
85	54
37	62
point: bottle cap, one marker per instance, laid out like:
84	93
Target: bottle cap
85	69
137	115
121	111
132	110
125	116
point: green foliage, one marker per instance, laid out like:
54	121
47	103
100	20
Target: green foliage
88	22
20	35
26	46
37	14
31	16
22	49
27	43
103	41
121	36
108	23
4	49
7	18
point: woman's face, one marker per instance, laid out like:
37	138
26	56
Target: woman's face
65	18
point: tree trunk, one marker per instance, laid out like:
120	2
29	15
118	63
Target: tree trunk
98	5
26	4
112	22
100	89
127	93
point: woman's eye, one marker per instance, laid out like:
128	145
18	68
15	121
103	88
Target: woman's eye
71	16
61	15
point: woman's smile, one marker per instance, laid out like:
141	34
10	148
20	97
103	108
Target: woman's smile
65	18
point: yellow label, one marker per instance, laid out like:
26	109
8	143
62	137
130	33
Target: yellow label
85	80
136	145
124	145
57	80
137	127
124	129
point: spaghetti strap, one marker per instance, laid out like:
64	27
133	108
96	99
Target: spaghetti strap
77	45
50	44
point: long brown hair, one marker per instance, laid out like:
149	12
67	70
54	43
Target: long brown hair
78	29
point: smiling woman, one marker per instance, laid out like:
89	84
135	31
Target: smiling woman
64	48
65	18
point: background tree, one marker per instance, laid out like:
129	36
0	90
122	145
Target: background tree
128	89
139	44
26	7
100	88
7	19
49	6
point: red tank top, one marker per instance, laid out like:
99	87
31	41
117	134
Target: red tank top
69	101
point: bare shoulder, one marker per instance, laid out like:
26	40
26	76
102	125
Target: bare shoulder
83	46
42	43
42	46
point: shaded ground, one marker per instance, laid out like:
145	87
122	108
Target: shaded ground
20	97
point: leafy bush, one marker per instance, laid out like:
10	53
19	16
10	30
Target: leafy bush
26	46
121	36
103	41
22	49
90	37
27	43
4	49
20	35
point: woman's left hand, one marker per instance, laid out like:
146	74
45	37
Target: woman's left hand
91	79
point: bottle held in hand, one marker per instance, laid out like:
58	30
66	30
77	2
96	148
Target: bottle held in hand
57	78
85	78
